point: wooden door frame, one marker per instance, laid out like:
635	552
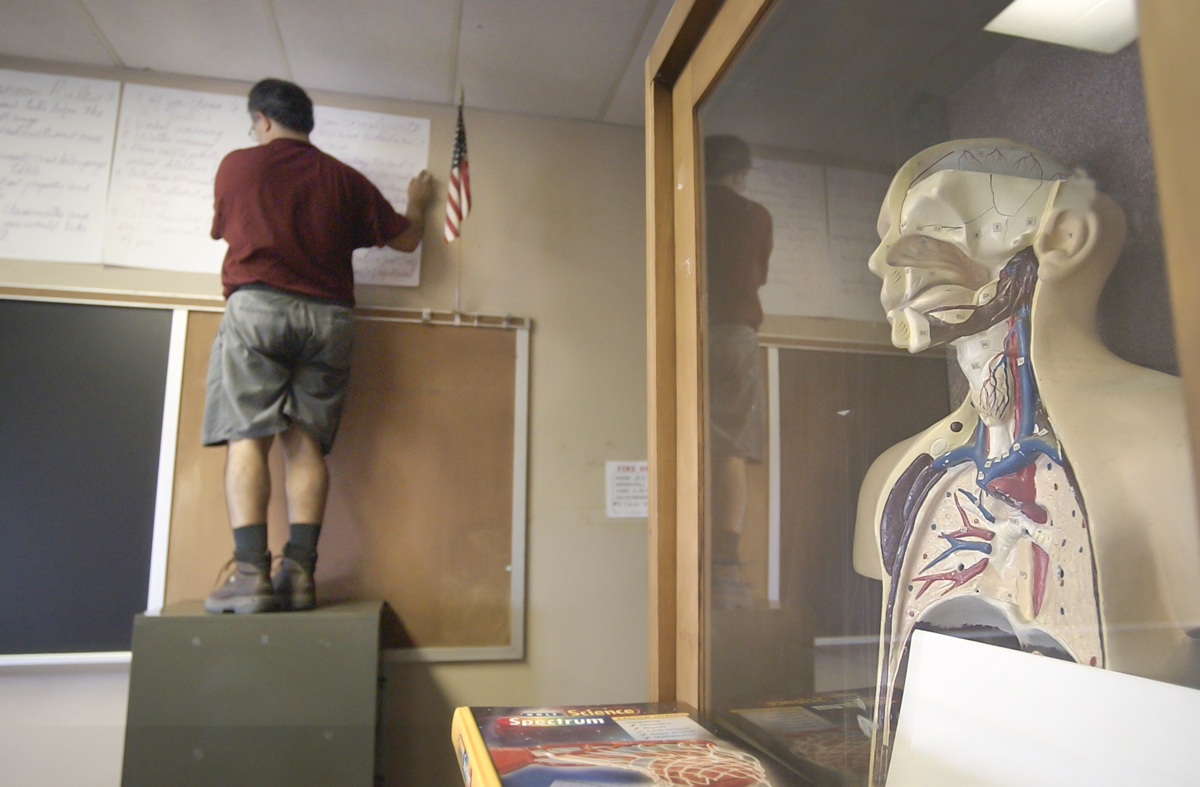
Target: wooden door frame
1170	63
698	41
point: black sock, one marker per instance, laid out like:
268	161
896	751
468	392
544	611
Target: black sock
250	545
302	545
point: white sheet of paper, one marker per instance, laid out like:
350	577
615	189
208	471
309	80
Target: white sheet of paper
56	138
170	143
976	714
627	489
390	150
160	205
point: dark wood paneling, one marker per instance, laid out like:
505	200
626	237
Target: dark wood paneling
838	411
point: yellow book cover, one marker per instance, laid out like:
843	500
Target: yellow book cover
473	760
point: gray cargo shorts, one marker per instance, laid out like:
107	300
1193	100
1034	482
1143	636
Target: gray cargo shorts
278	360
737	394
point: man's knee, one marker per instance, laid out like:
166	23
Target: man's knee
297	443
249	447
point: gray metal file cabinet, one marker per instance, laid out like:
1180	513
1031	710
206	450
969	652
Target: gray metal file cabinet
271	699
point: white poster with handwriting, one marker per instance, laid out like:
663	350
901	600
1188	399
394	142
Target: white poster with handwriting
56	136
170	143
854	197
798	273
824	233
160	204
390	150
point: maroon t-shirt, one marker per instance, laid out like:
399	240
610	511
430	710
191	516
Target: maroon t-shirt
293	215
739	248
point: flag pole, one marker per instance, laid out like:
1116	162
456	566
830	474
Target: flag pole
458	274
462	97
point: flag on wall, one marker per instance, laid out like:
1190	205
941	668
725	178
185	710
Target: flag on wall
458	192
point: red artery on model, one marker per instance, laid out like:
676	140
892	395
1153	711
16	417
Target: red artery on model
1041	564
957	578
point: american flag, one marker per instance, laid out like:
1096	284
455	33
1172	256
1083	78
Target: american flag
458	194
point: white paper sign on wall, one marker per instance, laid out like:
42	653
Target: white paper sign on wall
628	489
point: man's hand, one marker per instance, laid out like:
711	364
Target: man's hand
420	192
420	189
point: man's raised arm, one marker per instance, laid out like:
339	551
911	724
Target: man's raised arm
420	191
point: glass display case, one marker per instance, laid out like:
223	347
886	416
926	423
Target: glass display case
912	367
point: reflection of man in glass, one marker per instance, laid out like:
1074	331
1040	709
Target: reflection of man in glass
738	247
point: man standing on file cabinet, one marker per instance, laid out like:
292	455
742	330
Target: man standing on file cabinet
280	363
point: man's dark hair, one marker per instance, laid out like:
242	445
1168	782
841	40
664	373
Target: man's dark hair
725	154
283	102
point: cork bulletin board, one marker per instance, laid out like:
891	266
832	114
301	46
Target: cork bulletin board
426	502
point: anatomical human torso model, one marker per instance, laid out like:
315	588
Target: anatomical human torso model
1053	511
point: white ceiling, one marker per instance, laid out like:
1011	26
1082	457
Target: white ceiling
580	59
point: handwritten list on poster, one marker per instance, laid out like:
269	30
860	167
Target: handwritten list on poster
390	150
56	134
854	197
170	144
824	233
160	203
794	194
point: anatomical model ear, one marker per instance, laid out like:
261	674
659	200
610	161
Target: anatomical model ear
1069	231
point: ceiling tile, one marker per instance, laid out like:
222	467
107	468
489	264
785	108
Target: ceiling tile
628	106
52	30
396	48
230	39
546	57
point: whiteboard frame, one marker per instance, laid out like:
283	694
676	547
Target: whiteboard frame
774	480
172	400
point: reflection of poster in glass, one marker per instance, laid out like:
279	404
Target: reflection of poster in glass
854	197
56	136
824	221
794	194
390	150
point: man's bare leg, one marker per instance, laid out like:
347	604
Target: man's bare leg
307	479
247	492
730	496
307	485
247	480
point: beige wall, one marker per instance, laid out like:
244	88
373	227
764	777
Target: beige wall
556	234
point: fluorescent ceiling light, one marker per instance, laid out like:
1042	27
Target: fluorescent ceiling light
1098	25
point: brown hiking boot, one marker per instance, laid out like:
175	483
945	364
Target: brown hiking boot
294	586
246	590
